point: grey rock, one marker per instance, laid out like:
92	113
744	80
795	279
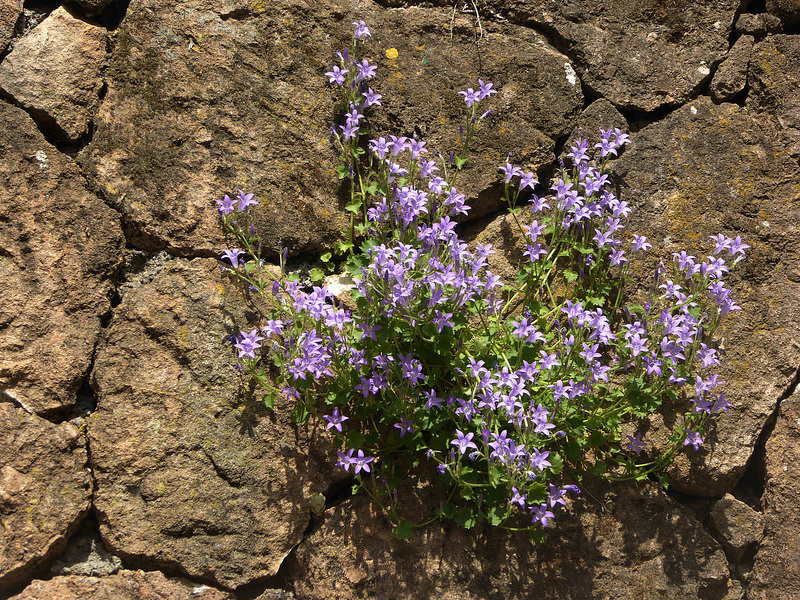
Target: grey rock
54	72
738	525
731	76
86	555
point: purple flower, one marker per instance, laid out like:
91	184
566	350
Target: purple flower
361	462
556	496
443	320
273	327
693	439
335	420
405	426
226	205
369	331
737	247
720	404
670	289
433	400
245	200
528	180
412	369
365	70
349	130
336	75
617	257
381	147
233	256
534	252
635	443
519	499
362	31
371	98
248	344
538	460
590	353
345	460
470	97
485	89
464	442
511	171
541	514
721	242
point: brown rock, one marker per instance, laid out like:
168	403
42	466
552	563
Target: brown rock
739	526
758	25
774	78
54	72
45	490
200	103
600	114
639	55
624	543
191	474
59	249
776	573
125	585
539	93
94	7
731	77
10	12
703	170
787	11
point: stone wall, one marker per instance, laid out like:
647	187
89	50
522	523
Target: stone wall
129	465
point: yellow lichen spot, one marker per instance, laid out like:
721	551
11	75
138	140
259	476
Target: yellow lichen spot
391	53
421	48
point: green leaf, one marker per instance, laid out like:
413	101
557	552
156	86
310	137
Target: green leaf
556	462
448	510
465	518
269	400
325	257
403	530
342	247
372	188
537	535
599	468
342	171
570	276
496	515
354	206
300	414
316	274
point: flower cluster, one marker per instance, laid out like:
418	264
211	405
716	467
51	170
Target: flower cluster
499	385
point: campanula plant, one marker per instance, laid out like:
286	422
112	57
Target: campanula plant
512	390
